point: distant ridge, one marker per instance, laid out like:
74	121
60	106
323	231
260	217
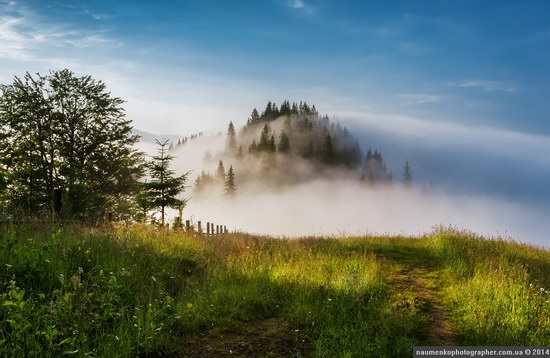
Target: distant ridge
150	137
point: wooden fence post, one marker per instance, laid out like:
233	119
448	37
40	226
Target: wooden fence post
199	228
187	225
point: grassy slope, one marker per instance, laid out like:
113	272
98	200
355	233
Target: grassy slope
131	292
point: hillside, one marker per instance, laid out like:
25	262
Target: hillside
285	145
136	291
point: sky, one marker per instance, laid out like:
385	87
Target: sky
193	65
460	89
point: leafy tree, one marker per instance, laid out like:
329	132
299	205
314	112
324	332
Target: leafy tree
67	132
231	138
407	175
230	190
164	187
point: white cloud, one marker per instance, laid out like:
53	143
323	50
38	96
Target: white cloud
297	4
440	133
24	36
420	98
486	85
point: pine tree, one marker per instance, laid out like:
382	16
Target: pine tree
284	144
220	172
231	144
164	186
230	190
264	146
328	150
254	117
240	154
253	148
272	147
407	175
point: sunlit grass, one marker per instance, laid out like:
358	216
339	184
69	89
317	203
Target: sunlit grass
135	290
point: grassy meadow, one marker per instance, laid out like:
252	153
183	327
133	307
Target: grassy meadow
134	291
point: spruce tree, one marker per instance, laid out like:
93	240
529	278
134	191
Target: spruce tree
264	145
328	149
230	190
284	144
220	172
231	144
272	148
407	175
164	187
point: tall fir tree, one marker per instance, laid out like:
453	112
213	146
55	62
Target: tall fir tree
284	143
220	172
164	187
230	190
407	175
231	144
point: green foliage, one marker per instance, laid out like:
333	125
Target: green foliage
230	189
231	138
123	292
164	187
63	131
497	290
284	143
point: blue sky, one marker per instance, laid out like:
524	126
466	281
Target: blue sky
187	65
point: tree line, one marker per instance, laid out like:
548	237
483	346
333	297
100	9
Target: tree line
67	150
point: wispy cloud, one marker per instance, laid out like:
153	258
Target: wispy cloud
486	85
25	37
420	98
302	6
297	4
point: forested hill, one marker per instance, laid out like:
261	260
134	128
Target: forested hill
292	143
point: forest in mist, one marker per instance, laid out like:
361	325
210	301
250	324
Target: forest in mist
68	152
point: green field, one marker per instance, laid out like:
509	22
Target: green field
135	291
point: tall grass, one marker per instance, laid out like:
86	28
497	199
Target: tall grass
136	291
497	289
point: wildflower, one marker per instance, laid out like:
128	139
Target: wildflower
330	299
47	261
189	305
541	289
153	278
9	266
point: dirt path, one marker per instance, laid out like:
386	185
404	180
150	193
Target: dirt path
263	338
415	279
